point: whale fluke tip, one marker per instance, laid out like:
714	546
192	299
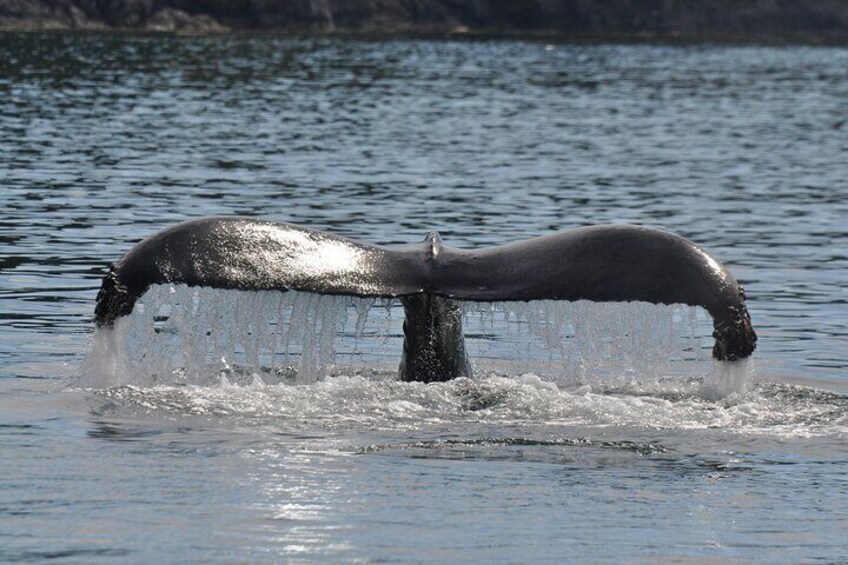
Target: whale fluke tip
735	337
113	299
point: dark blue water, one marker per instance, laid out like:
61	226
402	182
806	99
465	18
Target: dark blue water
106	139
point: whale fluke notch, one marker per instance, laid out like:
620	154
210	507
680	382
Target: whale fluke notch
617	263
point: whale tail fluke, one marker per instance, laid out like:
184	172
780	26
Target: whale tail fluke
601	263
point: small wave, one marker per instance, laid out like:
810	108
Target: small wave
449	444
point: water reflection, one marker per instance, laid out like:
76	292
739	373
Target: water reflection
303	494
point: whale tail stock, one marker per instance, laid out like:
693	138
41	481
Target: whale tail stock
601	263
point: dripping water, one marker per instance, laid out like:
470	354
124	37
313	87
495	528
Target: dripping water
178	335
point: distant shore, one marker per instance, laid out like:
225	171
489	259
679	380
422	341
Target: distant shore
810	21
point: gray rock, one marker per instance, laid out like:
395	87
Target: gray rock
600	19
178	21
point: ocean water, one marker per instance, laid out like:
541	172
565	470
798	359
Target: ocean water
225	427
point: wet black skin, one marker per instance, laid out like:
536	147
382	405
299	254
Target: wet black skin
617	263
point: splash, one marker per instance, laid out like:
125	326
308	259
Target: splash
178	335
487	405
583	366
181	335
602	344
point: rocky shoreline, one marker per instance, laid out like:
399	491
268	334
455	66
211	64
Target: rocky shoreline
733	20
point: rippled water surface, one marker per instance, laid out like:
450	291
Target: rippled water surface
106	139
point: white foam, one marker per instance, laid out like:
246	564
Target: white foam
356	402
